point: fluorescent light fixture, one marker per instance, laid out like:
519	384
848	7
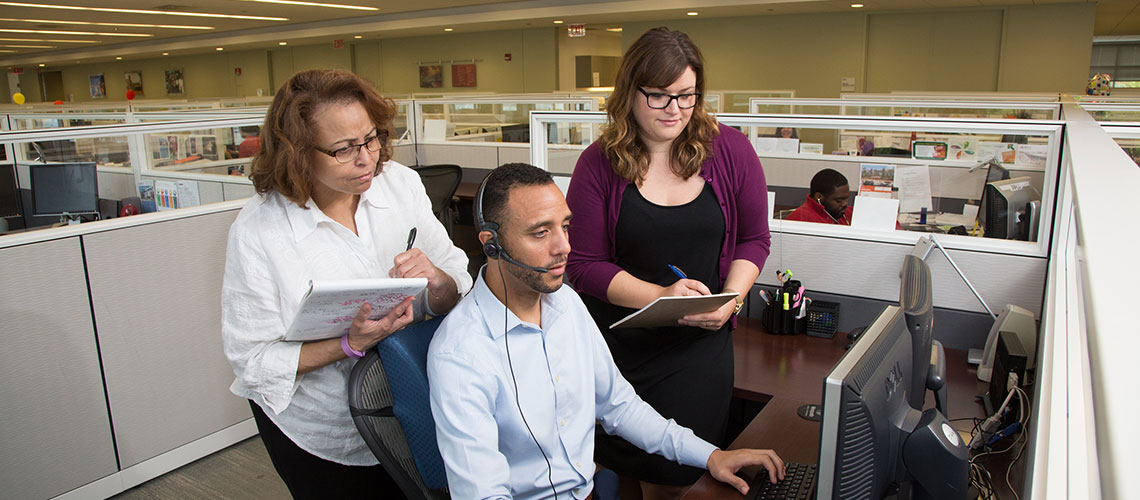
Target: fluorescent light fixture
448	29
358	37
118	58
89	33
599	89
128	25
856	6
46	40
166	53
314	4
282	43
7	51
219	49
692	13
28	46
141	11
614	30
42	65
557	21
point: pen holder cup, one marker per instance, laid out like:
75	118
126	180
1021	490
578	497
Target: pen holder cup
780	321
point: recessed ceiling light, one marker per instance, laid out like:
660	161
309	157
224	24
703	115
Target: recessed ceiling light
558	21
448	29
89	33
282	43
45	40
358	37
219	49
42	65
118	58
141	11
129	25
691	13
314	4
856	6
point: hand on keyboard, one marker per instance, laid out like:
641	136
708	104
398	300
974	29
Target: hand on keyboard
798	483
723	466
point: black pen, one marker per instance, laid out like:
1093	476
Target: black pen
411	238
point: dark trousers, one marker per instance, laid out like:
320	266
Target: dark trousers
311	477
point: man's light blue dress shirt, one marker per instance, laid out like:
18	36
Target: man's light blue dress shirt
566	381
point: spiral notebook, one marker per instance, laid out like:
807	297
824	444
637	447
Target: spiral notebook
329	306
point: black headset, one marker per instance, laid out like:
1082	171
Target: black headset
493	248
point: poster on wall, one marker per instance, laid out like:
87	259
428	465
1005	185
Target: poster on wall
431	76
133	80
98	86
876	180
463	75
174	82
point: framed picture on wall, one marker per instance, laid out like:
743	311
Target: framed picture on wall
174	82
431	76
98	86
133	80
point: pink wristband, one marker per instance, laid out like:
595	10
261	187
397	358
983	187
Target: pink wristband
348	350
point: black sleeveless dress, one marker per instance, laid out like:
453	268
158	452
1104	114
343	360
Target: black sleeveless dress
685	373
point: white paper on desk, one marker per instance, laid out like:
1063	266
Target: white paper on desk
329	306
764	144
913	182
771	204
784	145
879	214
188	194
665	311
435	130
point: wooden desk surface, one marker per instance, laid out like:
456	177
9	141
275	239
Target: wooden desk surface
466	191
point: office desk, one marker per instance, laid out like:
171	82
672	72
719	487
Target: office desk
787	371
466	191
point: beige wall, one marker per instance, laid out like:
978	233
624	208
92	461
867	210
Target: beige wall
1023	48
1017	48
595	43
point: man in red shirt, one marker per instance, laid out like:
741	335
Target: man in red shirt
827	201
251	142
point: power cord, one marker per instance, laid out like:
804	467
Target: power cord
979	476
507	346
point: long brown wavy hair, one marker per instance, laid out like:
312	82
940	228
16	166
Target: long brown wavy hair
656	60
289	136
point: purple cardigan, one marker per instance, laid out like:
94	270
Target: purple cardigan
594	198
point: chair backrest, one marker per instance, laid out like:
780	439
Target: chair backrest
389	401
441	181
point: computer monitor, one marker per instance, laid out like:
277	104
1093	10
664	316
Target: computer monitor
1011	209
996	172
64	188
9	192
874	442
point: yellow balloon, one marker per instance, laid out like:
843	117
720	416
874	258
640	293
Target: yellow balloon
18	98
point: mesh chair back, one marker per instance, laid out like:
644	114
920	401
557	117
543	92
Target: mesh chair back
389	402
441	181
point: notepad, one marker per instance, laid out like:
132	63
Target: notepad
665	311
328	308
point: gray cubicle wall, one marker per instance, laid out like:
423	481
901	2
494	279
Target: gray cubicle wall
55	434
159	321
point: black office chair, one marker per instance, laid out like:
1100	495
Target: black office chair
441	181
389	402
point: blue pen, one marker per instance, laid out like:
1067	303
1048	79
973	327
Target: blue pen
676	270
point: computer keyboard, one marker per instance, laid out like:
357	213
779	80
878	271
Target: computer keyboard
798	483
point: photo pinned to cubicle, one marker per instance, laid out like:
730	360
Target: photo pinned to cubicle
165	195
876	180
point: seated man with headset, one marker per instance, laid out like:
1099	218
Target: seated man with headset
827	201
519	372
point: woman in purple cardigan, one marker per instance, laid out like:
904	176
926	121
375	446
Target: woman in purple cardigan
666	186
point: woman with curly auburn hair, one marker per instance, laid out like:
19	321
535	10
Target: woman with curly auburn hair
330	205
666	187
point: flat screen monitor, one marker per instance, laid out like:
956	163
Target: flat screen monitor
996	172
64	188
1010	209
9	192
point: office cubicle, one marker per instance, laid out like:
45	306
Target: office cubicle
927	95
1121	120
1011	110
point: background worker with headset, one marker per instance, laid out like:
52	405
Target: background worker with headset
519	371
827	200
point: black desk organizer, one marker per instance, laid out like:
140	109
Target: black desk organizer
776	320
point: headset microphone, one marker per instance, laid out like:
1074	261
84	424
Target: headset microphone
493	248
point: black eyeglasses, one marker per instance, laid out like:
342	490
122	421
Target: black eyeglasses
351	151
658	100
